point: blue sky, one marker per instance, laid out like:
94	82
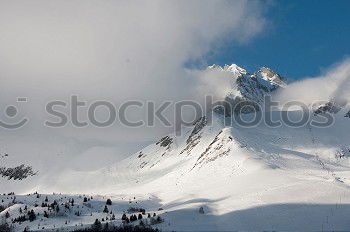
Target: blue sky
301	39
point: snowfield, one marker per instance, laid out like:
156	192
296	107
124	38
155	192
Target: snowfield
245	179
215	176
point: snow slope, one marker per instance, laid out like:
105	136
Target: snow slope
257	178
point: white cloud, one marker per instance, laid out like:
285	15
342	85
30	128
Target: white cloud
333	83
114	50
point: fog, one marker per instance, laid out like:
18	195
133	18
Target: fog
114	51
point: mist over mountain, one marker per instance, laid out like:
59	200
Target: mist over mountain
174	116
259	172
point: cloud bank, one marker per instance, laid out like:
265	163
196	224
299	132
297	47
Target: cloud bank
334	83
115	51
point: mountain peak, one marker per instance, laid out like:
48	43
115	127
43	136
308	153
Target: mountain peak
263	73
235	69
271	76
250	87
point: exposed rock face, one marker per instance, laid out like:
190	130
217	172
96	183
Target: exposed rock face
17	173
236	105
269	75
333	107
347	115
195	135
248	90
165	141
198	126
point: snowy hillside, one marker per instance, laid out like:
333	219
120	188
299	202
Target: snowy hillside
215	176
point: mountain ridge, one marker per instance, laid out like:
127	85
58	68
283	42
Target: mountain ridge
211	170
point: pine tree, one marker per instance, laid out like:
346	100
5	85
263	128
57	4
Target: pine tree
109	202
46	199
142	224
106	227
31	215
159	219
7	215
140	216
85	199
105	209
97	226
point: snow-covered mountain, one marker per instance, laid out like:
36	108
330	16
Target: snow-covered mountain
252	87
214	176
249	88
